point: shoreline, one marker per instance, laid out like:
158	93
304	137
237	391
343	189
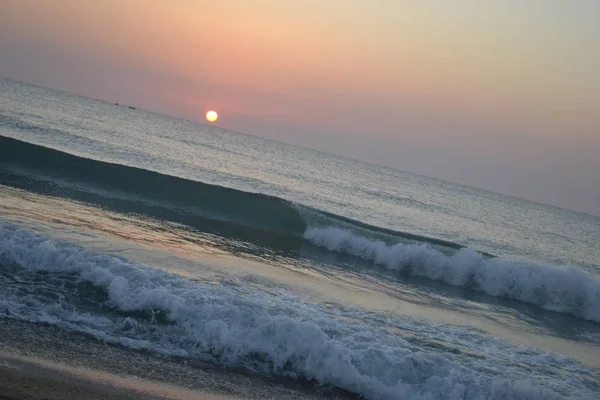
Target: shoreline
44	362
22	378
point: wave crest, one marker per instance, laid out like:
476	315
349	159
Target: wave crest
562	289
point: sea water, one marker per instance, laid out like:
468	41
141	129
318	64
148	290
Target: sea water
184	239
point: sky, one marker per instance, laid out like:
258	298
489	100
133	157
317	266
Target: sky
501	95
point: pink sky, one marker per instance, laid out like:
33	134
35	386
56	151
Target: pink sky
499	95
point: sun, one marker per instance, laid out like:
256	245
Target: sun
212	116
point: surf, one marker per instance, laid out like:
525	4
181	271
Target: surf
130	304
562	289
285	226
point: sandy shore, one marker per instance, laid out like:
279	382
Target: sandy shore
23	379
44	362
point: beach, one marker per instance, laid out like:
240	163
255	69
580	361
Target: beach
43	362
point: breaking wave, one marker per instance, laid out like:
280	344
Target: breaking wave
563	289
283	225
130	304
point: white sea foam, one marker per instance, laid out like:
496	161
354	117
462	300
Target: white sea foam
562	289
240	327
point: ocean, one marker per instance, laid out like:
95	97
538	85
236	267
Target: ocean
186	240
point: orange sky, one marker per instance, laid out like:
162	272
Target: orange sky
450	89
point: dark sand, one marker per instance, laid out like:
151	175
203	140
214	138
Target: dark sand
44	362
25	380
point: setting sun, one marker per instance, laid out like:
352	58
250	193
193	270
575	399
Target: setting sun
212	116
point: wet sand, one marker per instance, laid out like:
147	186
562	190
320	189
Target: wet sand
20	379
44	362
